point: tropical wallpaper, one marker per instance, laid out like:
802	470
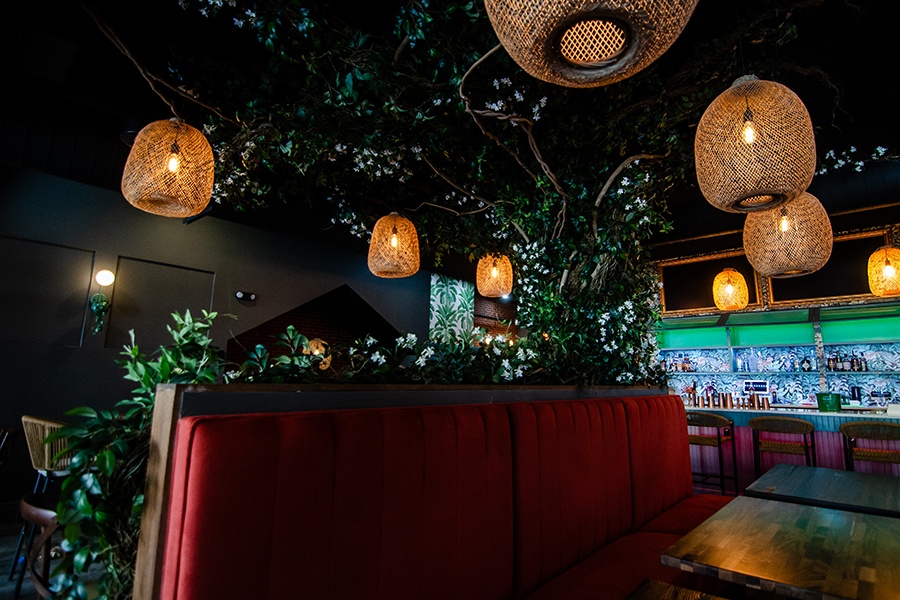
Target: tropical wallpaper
452	310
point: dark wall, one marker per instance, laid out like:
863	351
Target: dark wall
55	234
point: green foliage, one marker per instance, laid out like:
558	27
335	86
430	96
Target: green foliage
102	497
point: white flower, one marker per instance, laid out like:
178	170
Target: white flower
377	358
420	362
496	351
370	340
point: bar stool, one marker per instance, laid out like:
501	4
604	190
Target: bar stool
724	434
783	426
869	430
48	466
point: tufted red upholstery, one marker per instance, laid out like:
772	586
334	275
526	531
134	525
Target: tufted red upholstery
558	499
572	484
395	503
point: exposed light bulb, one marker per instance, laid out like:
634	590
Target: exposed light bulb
785	224
173	162
889	271
394	241
494	272
749	133
729	289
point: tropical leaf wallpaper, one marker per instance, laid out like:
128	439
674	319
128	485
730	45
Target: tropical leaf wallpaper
452	310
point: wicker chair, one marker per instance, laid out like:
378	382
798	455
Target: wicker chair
783	426
699	424
870	430
50	464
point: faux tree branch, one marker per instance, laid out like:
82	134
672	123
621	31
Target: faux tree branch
611	179
488	204
151	78
527	126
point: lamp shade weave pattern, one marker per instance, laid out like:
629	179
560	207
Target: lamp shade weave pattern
730	290
754	148
494	276
884	271
394	249
794	239
583	43
170	170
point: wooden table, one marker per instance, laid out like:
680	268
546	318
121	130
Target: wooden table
657	590
795	550
845	490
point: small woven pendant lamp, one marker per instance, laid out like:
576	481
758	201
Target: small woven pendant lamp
394	249
494	276
754	148
170	170
730	290
884	271
587	43
791	240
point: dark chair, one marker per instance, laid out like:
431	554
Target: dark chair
48	465
784	427
699	426
35	511
875	431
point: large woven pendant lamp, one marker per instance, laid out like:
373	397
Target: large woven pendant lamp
494	276
754	148
585	43
730	290
884	271
394	249
791	240
170	170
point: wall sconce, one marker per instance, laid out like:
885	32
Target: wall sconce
247	296
99	301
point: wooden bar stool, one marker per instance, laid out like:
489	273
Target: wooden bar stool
877	431
700	421
792	426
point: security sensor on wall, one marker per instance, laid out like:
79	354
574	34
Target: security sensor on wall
250	296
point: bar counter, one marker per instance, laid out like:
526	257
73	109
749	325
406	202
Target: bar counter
823	421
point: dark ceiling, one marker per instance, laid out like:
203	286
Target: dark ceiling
70	96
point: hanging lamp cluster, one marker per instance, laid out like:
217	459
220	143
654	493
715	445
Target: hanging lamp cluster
394	249
584	43
884	271
754	148
730	290
170	170
494	276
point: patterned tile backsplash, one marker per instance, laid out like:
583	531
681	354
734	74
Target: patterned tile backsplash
792	372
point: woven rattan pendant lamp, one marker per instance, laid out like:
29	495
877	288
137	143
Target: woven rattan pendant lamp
730	290
884	271
394	249
170	170
494	276
791	240
754	148
584	43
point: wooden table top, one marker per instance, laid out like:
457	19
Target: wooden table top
795	550
657	590
845	490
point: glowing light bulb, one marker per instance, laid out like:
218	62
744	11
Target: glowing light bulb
785	224
173	162
105	277
494	272
729	289
394	241
749	133
888	271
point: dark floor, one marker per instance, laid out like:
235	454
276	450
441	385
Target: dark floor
9	536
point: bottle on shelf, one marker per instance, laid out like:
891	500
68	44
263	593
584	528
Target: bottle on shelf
832	363
805	365
846	363
739	362
854	363
863	363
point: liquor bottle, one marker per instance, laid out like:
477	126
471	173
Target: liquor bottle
739	362
832	363
846	363
805	366
854	363
863	363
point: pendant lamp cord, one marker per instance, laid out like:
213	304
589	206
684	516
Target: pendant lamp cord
737	14
154	81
